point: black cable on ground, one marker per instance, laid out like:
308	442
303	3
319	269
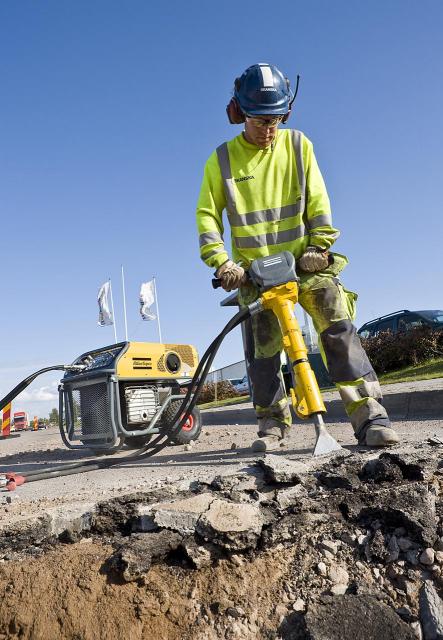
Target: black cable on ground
162	440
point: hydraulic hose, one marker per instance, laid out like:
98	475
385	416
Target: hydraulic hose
151	448
27	381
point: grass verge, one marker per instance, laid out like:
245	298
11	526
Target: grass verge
225	402
423	371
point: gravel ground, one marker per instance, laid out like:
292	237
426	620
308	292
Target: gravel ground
222	448
262	593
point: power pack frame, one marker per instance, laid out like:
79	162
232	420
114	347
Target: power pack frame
125	393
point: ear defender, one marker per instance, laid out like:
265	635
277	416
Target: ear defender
233	110
234	113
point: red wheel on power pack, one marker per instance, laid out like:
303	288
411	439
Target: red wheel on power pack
189	424
192	427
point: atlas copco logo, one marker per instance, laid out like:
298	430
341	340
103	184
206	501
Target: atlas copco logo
268	89
243	178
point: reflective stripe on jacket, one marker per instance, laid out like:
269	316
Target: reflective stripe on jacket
275	199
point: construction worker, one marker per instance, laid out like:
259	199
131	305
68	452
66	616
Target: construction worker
269	182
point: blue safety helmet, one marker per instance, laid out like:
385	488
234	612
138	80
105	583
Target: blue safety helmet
262	90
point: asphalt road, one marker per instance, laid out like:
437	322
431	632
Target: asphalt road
222	448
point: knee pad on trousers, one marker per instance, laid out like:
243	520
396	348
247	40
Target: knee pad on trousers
345	357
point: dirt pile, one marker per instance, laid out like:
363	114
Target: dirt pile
347	548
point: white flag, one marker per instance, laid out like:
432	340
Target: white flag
147	299
105	313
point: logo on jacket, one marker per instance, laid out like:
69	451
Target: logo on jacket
243	178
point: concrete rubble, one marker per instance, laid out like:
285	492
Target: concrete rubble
431	612
360	537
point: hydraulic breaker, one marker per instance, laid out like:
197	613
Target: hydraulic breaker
305	393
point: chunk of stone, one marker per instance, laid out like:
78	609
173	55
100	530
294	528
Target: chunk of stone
327	554
413	465
330	545
338	589
381	470
198	554
134	558
416	628
322	569
393	571
393	549
286	497
249	480
182	515
376	549
282	470
408	586
355	616
144	521
332	480
299	605
412	556
233	526
411	506
404	544
404	613
431	612
427	557
338	574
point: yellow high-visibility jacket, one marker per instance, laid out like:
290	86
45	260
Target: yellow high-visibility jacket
275	199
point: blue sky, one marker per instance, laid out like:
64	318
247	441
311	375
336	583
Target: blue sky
108	112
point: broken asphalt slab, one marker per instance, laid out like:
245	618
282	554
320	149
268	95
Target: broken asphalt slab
361	559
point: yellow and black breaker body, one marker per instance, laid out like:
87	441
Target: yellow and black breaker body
124	392
277	280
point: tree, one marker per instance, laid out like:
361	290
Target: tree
53	416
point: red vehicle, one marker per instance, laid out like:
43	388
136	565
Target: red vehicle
21	421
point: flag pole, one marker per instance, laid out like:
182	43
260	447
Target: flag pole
158	312
113	314
124	304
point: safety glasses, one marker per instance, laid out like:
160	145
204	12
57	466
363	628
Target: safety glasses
265	122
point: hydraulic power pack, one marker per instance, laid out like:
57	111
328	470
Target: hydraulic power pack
125	393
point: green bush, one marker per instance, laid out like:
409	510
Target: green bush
389	351
224	390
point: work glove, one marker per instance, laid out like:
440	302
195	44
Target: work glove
231	275
314	259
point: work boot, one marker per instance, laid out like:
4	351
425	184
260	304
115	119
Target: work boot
377	435
268	443
271	435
